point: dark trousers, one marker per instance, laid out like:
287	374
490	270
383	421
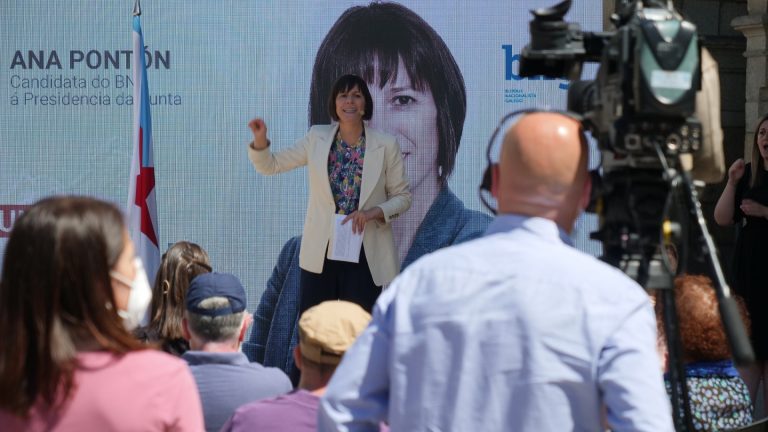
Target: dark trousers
340	280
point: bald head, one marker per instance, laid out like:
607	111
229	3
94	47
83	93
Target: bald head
543	169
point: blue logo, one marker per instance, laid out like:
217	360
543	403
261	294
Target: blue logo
510	58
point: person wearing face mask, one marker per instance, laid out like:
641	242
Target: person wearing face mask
418	96
356	171
70	294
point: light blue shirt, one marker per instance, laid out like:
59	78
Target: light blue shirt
516	331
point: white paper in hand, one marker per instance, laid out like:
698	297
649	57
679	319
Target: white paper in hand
345	244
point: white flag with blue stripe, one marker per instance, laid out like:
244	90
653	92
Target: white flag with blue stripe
142	204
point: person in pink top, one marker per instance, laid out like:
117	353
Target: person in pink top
71	292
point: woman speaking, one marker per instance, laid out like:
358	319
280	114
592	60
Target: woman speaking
353	171
744	201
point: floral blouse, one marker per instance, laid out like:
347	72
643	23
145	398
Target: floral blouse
345	173
719	398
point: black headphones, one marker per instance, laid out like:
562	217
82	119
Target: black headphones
488	182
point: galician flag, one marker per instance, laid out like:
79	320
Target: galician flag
142	205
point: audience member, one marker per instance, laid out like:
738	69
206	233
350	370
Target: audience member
70	294
215	323
181	263
325	333
719	398
516	331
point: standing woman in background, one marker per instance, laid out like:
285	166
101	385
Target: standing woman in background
71	292
745	202
356	171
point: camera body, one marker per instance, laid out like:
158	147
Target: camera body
640	108
645	90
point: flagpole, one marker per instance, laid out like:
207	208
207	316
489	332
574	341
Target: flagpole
141	212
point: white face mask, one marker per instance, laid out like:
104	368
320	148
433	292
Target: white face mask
138	299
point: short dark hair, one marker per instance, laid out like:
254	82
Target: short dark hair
388	32
56	292
344	84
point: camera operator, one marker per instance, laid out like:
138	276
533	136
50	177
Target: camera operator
517	330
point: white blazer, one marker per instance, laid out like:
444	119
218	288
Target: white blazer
384	185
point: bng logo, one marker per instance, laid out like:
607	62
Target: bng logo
9	214
512	64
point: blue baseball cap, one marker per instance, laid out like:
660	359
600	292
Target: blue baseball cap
209	285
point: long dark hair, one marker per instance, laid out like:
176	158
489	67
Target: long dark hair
384	33
56	295
181	263
757	160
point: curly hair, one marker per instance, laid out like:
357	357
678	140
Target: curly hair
701	329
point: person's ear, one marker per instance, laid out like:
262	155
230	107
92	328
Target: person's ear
297	357
185	329
247	321
495	181
586	192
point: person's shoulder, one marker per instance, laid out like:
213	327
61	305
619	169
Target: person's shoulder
253	414
291	246
580	261
159	361
267	370
474	224
476	216
460	256
450	222
271	375
140	368
298	397
602	282
321	130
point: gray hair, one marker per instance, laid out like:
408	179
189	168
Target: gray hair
215	329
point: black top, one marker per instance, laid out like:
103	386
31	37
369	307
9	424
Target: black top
750	266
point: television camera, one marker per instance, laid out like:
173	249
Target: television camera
642	110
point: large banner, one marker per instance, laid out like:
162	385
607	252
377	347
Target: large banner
66	106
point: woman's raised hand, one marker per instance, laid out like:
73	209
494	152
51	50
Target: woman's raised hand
259	129
736	171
